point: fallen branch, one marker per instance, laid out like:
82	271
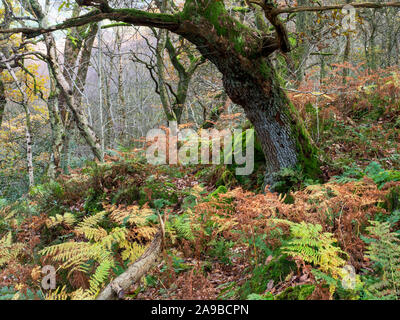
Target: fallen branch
116	289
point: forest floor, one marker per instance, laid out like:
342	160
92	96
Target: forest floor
224	239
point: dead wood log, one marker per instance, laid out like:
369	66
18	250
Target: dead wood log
117	288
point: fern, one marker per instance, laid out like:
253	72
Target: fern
313	246
90	233
9	251
92	221
68	219
133	215
131	251
179	227
384	253
59	293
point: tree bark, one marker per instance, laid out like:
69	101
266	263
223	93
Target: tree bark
240	53
3	101
28	123
66	90
117	287
57	130
252	83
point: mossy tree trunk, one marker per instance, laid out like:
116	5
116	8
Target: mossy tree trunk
57	129
3	101
250	81
241	55
279	128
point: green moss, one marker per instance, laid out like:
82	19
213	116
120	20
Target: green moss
265	69
307	152
301	292
220	190
226	26
140	14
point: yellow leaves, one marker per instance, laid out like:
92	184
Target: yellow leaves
9	251
32	85
116	235
133	215
222	223
68	219
131	250
313	246
6	240
92	220
57	294
11	134
95	234
79	294
36	273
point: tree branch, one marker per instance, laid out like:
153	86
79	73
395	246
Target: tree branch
118	287
356	5
132	16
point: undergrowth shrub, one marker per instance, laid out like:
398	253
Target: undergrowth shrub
383	252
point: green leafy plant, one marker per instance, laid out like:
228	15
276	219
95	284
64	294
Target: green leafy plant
384	253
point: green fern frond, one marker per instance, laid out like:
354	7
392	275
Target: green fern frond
92	221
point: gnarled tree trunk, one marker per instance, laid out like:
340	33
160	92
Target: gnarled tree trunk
281	132
251	82
241	55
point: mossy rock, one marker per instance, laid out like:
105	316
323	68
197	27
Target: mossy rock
301	292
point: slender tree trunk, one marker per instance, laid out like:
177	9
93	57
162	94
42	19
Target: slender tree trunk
57	130
121	94
3	101
302	21
184	77
101	91
29	146
84	62
161	43
346	57
28	123
66	90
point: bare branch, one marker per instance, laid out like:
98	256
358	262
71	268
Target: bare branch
356	5
132	16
